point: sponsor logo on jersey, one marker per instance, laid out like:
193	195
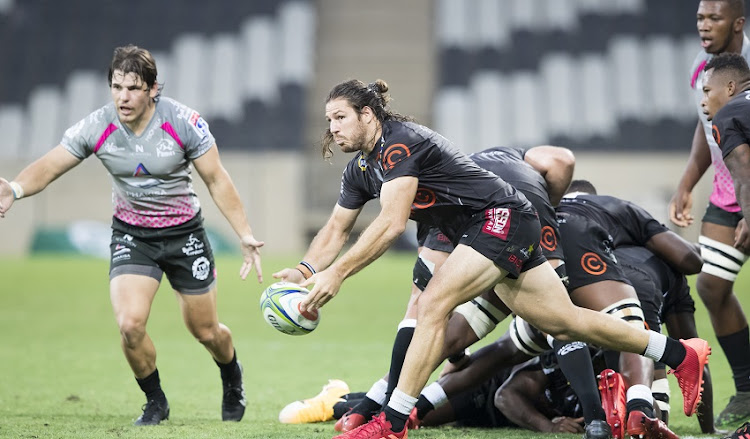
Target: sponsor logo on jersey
498	222
394	154
75	130
140	170
165	148
199	125
194	246
147	183
201	268
424	198
111	148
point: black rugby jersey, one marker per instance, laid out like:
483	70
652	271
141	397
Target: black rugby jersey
509	164
668	281
626	222
731	124
451	187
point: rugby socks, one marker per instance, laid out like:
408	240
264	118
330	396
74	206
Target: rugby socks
667	350
639	398
400	346
737	350
373	400
151	386
574	360
398	410
230	372
432	397
346	403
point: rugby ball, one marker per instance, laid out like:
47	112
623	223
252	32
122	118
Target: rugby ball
279	304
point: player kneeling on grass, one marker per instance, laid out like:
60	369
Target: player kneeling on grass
148	145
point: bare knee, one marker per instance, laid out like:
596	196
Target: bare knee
132	331
431	311
713	292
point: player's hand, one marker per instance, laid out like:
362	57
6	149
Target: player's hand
290	275
742	237
251	254
6	197
327	285
564	424
679	209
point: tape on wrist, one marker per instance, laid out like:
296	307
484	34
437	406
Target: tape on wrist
17	190
306	269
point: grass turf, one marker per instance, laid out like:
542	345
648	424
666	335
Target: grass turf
63	374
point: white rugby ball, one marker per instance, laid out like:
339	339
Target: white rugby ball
279	304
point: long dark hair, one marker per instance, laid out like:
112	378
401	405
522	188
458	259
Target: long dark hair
359	95
133	59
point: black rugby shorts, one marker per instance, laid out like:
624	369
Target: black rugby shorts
508	237
181	252
588	250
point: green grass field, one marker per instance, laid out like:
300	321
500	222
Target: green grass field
62	373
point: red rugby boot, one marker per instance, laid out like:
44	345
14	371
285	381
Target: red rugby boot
612	391
690	372
377	428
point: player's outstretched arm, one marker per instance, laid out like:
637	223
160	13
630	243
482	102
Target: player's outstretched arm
227	199
326	245
681	204
396	198
36	176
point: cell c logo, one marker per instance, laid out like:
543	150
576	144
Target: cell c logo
716	134
593	264
549	240
424	198
394	154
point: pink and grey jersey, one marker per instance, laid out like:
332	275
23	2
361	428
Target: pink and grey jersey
151	173
723	188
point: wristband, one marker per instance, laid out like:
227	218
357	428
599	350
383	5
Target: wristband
17	190
306	269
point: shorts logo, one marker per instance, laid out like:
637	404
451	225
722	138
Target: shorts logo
201	268
120	253
593	264
498	222
394	154
423	199
716	134
194	246
549	240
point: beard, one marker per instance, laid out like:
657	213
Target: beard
357	142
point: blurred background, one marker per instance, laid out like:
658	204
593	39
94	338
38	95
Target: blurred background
609	79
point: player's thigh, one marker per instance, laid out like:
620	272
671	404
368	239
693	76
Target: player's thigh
131	296
539	297
718	232
463	276
600	295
